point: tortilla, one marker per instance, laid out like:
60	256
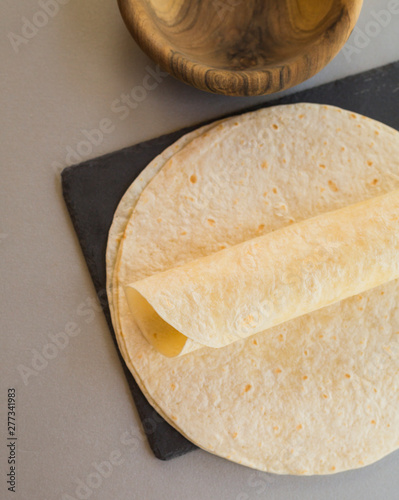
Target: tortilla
124	211
261	283
317	394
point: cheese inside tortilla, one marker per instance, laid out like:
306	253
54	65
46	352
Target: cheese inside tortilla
266	281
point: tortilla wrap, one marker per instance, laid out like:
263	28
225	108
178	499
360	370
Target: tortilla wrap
258	284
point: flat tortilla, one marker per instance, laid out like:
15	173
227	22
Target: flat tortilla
317	394
122	215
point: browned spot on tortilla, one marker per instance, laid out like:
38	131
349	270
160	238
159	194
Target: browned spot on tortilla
374	182
301	116
247	387
193	179
264	164
278	370
322	166
255	342
274	190
332	186
261	227
299	427
353	116
183	233
211	222
249	319
275	126
369	163
347	375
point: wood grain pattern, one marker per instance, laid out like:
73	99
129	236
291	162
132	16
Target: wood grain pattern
241	47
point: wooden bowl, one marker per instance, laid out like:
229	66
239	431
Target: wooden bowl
241	47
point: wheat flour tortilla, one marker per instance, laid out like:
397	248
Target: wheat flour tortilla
255	285
318	394
118	226
129	200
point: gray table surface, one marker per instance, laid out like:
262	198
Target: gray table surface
74	411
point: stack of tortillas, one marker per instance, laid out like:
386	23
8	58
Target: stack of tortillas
252	278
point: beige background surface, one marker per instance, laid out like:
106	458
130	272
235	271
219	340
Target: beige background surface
75	412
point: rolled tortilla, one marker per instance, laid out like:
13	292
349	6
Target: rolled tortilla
260	283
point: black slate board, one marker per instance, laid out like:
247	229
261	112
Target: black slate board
93	189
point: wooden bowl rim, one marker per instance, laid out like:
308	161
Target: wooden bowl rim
156	46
